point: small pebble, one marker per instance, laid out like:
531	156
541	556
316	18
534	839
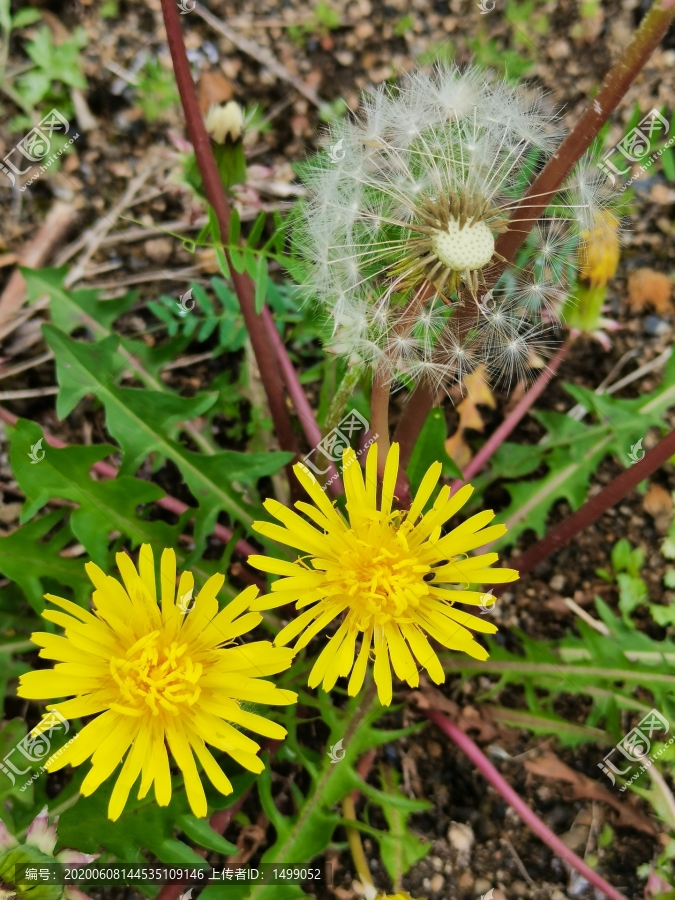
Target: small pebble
158	249
436	883
481	886
557	583
655	326
461	837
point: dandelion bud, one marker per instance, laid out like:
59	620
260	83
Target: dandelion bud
599	261
600	250
225	122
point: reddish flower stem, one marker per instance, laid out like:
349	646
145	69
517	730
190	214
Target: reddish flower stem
615	491
485	767
496	439
256	325
172	504
551	178
413	417
300	402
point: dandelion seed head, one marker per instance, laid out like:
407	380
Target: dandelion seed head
406	221
469	248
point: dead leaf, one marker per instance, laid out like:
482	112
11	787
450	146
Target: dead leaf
213	88
659	504
249	840
468	718
477	393
548	765
648	286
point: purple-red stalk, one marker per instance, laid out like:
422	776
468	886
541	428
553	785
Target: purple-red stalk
615	491
500	434
485	767
215	194
300	402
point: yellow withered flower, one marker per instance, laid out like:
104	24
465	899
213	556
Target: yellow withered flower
163	678
388	574
600	250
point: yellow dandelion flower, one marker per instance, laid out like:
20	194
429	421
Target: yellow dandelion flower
601	250
390	576
158	676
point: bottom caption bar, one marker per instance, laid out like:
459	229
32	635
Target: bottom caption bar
126	874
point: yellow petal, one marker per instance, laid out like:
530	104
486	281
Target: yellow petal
214	773
424	653
382	669
182	753
146	568
359	670
130	772
325	658
424	491
401	657
168	582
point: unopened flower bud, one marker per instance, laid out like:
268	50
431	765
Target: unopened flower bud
226	121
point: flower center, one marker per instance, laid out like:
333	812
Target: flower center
383	579
158	676
468	248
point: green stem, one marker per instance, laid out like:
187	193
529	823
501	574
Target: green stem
627	674
356	848
342	395
288	851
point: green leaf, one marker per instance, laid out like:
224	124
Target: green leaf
571	451
28	557
103	506
261	277
72	309
238	261
25	17
430	448
199	831
11	733
256	230
621	555
400	849
632	593
5	18
142	825
304	835
59	62
235	227
139	419
668	162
